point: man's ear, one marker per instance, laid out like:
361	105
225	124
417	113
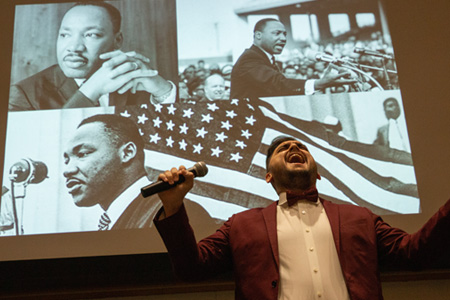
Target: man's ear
128	152
118	40
269	177
258	35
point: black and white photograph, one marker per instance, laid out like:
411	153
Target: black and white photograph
279	48
115	53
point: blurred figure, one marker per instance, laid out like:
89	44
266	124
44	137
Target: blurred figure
183	92
290	72
393	134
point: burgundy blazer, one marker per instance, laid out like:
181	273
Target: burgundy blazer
254	76
247	243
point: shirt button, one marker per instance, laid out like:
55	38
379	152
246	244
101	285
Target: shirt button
319	294
315	270
303	212
307	230
311	249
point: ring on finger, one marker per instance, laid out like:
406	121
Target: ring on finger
135	65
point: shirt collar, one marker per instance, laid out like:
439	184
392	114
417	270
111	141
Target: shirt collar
119	205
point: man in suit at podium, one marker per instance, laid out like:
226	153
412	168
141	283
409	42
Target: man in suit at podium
256	73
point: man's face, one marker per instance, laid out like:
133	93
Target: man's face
290	73
85	33
292	167
214	87
272	38
92	165
391	109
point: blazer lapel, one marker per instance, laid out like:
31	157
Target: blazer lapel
333	216
270	217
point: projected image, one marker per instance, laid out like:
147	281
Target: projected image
93	55
70	166
297	43
60	176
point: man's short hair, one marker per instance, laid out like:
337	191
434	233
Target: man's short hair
274	144
114	13
259	26
120	130
388	100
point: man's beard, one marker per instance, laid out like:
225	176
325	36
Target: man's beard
296	180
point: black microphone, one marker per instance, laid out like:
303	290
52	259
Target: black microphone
366	51
28	171
199	169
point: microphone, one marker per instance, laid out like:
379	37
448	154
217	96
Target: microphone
199	169
28	171
371	52
323	57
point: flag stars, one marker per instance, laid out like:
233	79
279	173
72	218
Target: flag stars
236	157
171	109
142	119
188	113
221	137
231	114
250	107
182	144
144	106
235	102
246	134
158	107
226	125
207	118
125	114
169	142
212	106
183	128
216	151
157	122
198	148
170	125
154	138
201	132
240	144
250	120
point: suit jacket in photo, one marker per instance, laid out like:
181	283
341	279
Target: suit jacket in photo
248	244
254	76
51	89
141	212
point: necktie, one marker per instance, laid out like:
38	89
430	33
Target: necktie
104	221
309	195
274	63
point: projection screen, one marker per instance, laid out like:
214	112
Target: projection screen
359	133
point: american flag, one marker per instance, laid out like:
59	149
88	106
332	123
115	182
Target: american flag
232	137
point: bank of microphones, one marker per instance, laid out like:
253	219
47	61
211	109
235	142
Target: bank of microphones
199	170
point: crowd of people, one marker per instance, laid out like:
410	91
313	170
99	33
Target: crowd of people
205	83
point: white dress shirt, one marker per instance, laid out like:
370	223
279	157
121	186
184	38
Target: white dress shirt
309	263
